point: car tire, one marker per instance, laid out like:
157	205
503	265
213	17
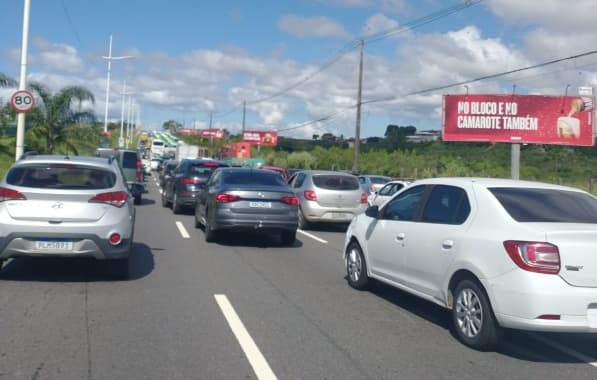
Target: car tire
175	205
303	223
209	233
138	200
2	264
288	237
197	222
120	268
473	320
165	202
356	267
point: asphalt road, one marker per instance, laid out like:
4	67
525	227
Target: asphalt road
244	308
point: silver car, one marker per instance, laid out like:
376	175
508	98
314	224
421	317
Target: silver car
327	196
67	206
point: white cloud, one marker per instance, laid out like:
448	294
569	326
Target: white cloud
378	23
57	57
312	27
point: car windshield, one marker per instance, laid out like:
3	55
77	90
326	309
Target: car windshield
61	177
251	177
379	180
547	205
336	182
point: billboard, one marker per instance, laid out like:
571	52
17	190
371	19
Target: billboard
212	134
562	120
262	138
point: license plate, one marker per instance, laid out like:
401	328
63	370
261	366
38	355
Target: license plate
341	216
260	204
54	245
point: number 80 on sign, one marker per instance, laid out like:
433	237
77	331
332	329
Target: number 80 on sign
22	101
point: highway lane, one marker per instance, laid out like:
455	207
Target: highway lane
70	320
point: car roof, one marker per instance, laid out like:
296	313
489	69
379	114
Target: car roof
328	172
52	159
492	182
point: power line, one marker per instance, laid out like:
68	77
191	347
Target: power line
70	22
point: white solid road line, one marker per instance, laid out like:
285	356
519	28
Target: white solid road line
560	347
182	230
256	358
312	236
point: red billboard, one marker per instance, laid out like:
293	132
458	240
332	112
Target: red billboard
563	120
261	138
212	134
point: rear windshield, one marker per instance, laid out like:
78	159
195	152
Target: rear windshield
201	170
250	177
61	177
129	160
336	182
547	205
379	180
158	143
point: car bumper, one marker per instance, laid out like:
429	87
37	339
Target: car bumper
519	298
330	214
254	222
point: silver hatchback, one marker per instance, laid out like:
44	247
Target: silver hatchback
66	206
327	196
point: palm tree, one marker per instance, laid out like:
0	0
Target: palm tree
6	81
54	114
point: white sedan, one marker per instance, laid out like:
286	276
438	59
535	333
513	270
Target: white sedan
386	192
497	252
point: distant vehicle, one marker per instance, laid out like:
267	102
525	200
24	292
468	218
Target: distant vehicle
498	253
386	192
180	190
186	151
157	147
327	197
245	199
277	169
166	171
66	206
372	183
132	169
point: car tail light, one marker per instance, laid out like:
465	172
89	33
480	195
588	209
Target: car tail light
115	198
364	197
115	238
10	195
310	195
189	181
226	198
211	164
139	173
534	256
293	201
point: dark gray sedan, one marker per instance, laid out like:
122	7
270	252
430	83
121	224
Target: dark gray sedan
243	199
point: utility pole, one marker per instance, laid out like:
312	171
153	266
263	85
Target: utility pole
244	112
121	137
110	58
357	132
23	80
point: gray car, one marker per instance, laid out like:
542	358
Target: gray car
67	206
372	183
244	199
327	196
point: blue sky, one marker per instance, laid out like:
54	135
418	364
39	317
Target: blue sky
196	57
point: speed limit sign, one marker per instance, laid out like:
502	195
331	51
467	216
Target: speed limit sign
22	101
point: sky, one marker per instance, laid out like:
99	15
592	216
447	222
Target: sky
294	64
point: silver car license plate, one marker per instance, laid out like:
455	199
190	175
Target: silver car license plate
53	245
260	204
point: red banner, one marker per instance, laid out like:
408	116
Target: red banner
261	138
563	120
212	134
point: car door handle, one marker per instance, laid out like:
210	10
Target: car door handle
400	237
447	244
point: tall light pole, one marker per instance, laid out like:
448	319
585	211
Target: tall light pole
110	58
121	137
23	80
357	133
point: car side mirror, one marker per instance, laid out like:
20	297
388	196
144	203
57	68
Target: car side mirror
372	211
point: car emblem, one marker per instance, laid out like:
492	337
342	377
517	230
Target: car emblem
57	205
261	195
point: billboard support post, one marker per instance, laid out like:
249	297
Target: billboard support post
515	161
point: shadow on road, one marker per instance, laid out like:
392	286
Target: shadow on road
254	239
58	269
521	345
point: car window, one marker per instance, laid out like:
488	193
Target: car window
61	177
252	177
547	205
199	170
300	179
446	205
129	160
386	190
335	182
405	205
362	180
379	180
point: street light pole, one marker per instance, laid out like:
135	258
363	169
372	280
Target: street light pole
109	58
357	134
23	80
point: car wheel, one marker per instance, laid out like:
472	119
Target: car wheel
356	267
175	205
138	200
208	232
2	264
165	202
303	223
120	268
473	320
197	222
288	237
